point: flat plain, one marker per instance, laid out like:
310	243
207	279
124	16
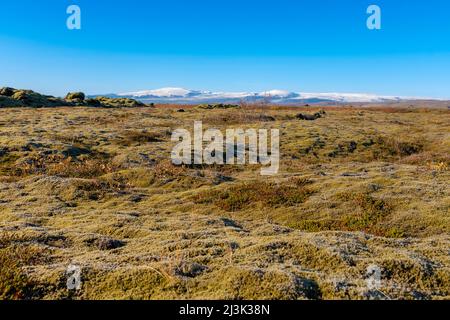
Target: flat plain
358	189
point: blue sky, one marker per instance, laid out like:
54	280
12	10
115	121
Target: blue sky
245	45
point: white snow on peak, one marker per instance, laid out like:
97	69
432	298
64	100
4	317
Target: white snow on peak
277	96
230	95
276	93
346	97
163	92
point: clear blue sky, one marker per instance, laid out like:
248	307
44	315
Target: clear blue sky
240	45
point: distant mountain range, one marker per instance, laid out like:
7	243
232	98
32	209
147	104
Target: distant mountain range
184	96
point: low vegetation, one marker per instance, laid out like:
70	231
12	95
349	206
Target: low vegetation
238	197
95	188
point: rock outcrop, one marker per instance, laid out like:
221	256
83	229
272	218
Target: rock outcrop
10	97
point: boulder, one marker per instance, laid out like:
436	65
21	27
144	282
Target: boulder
78	96
309	117
108	244
8	102
118	102
10	97
6	91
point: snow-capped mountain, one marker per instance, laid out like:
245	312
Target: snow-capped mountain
184	96
163	92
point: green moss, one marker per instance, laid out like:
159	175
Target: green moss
7	163
369	212
114	102
256	284
79	96
14	282
239	197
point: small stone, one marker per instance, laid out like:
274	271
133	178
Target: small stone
109	244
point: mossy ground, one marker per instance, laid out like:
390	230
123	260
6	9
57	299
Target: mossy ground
356	187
